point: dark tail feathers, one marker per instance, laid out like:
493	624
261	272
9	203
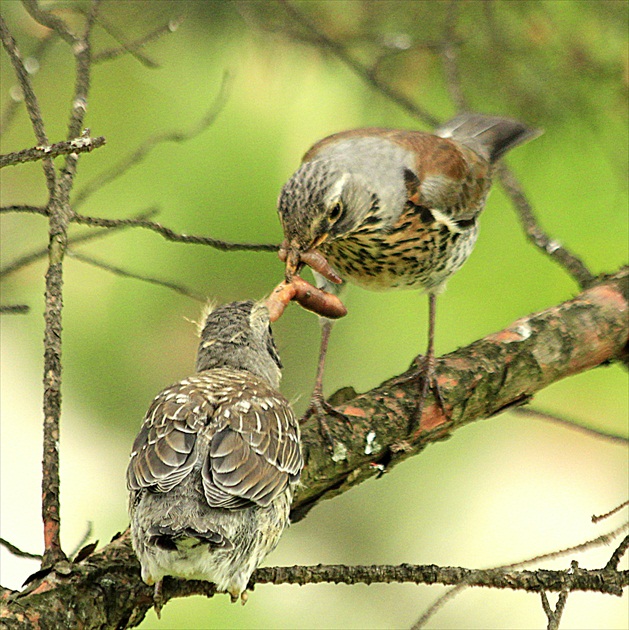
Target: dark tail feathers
489	136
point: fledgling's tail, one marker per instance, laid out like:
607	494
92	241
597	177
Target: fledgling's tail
489	136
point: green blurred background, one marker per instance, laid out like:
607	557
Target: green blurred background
498	491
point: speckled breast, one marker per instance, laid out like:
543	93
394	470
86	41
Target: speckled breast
411	255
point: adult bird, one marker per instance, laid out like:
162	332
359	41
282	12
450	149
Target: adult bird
393	209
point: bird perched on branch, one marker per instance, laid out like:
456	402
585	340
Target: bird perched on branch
392	209
213	468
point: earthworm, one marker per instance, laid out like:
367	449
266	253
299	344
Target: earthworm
309	297
315	260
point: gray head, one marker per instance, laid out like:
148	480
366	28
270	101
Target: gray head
322	202
238	335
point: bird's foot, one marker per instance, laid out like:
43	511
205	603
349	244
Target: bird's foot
158	598
320	408
426	377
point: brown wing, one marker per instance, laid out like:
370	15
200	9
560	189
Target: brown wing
256	453
449	176
164	452
243	430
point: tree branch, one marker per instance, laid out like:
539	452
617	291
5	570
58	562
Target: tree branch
83	144
517	362
325	42
59	213
134	48
30	100
551	247
476	382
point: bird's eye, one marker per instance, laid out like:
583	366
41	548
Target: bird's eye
336	211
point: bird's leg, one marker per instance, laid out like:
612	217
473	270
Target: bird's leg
318	404
426	375
158	599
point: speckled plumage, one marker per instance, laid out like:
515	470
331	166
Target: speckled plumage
409	200
213	468
394	209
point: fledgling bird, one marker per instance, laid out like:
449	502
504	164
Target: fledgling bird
393	209
214	466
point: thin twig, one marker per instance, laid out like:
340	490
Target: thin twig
78	145
49	20
38	254
604	539
59	217
569	261
30	100
14	309
619	552
596	519
86	536
18	552
148	145
24	208
171	235
8	115
449	57
135	46
554	616
364	72
119	271
571	424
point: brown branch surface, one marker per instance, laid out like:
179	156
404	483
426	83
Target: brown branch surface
105	589
59	215
479	381
78	145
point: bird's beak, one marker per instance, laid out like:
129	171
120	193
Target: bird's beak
296	258
291	256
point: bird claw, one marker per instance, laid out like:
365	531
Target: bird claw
158	598
320	408
426	376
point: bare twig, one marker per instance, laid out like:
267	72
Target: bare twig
366	74
14	309
171	235
596	519
18	552
450	59
619	552
78	145
60	214
599	541
178	288
86	536
133	48
38	254
148	145
571	424
554	616
569	261
24	208
50	20
12	106
30	100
